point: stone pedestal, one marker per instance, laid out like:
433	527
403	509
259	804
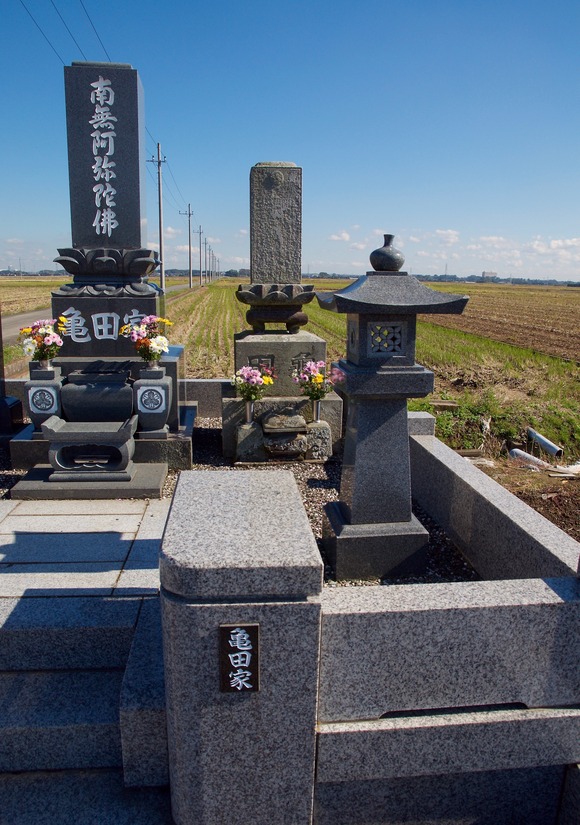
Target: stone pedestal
241	625
233	418
43	395
282	351
152	399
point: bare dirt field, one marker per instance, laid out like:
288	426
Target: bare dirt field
543	318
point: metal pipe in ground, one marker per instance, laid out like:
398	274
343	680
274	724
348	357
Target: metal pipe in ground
545	444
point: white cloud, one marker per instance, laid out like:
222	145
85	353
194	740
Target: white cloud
171	232
14	241
378	232
448	236
340	236
214	240
358	246
565	243
241	232
183	248
414	239
238	260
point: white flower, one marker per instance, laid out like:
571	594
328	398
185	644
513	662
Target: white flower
29	346
159	344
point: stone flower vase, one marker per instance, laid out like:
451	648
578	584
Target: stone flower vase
248	412
316	402
152	400
387	258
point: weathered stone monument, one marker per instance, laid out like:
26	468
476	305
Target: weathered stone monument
283	426
98	377
372	531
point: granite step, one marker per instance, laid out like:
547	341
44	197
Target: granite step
83	797
60	720
62	633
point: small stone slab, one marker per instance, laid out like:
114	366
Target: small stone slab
286	445
147	482
281	422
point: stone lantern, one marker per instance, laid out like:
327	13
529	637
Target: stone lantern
371	531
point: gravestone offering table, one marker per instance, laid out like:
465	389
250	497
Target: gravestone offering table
372	531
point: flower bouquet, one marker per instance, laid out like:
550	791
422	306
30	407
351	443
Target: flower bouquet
252	382
313	381
40	340
147	336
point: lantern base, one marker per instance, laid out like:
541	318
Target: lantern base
368	551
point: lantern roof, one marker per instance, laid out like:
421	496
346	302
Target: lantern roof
391	293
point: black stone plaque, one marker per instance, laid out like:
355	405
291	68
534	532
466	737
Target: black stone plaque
239	658
104	116
93	324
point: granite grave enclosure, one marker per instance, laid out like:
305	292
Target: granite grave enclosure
283	425
433	703
375	705
102	417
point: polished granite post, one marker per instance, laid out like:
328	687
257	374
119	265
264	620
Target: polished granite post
241	635
372	532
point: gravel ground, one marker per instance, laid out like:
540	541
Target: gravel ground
318	484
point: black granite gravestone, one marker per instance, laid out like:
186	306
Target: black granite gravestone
104	117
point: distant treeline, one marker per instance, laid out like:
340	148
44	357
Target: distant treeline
245	273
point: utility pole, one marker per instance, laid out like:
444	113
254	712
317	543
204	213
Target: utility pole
189	213
205	258
200	234
159	161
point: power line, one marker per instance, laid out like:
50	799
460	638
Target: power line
68	30
95	31
175	204
174	181
42	33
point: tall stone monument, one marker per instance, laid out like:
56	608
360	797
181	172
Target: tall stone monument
276	295
108	261
81	404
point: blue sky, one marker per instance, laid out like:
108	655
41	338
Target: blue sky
452	124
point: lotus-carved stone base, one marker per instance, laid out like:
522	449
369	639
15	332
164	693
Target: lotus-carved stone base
276	304
108	271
